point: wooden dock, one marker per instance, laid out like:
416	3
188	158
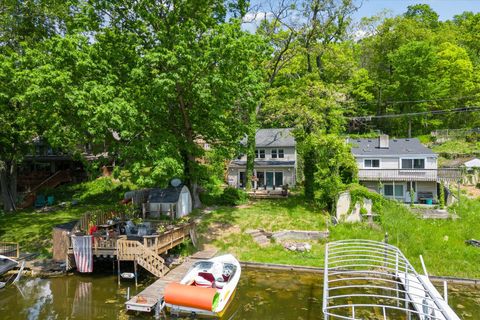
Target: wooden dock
146	300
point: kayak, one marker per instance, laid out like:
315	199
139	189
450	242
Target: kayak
206	289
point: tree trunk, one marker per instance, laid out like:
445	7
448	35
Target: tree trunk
8	185
188	152
251	143
309	174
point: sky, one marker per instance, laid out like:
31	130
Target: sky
445	8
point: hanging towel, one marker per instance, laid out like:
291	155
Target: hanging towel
82	250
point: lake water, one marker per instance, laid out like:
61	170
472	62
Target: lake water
262	294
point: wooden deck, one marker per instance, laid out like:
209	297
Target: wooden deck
154	293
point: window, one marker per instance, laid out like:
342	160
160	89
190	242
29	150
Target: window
277	153
274	153
372	163
388	190
413	184
260	153
413	163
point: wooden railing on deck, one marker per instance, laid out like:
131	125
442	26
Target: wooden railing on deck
10	249
130	250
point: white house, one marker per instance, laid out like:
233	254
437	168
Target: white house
394	167
275	161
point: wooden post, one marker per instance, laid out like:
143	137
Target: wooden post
118	260
135	270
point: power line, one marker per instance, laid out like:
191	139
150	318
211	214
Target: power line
431	100
433	112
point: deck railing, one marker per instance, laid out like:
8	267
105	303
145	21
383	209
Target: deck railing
443	174
10	249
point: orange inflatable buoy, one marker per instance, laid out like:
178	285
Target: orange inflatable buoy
191	296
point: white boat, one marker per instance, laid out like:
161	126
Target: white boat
206	289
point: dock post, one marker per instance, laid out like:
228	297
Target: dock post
135	270
445	291
118	261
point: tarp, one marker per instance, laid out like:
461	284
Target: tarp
82	250
191	296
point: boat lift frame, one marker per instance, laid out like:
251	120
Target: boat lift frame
363	265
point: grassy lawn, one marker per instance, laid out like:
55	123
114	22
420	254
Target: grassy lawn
33	229
441	242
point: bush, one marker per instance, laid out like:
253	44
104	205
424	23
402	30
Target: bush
472	137
232	196
358	192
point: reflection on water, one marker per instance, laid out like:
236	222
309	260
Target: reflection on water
261	294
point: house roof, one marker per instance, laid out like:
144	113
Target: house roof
168	195
279	137
397	147
263	163
474	163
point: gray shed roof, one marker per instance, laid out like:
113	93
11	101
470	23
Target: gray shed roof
168	195
370	147
279	137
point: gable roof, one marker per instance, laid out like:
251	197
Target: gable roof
168	195
397	147
280	137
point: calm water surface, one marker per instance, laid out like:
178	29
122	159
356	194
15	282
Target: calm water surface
261	294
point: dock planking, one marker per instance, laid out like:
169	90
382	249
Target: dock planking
154	293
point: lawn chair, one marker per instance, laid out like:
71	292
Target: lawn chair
50	200
40	201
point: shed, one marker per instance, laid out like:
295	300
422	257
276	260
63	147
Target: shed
61	239
175	201
474	163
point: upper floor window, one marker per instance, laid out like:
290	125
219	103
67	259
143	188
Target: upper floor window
277	153
413	163
260	153
371	163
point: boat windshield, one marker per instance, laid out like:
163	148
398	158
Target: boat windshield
203	265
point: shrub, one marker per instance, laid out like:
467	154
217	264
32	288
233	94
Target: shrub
232	196
472	137
358	193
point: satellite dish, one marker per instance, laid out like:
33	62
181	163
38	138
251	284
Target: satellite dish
176	182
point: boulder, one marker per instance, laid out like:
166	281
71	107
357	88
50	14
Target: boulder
355	216
343	205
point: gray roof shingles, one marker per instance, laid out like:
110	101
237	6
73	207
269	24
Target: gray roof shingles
168	195
279	137
408	146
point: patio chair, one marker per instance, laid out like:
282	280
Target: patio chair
50	200
40	201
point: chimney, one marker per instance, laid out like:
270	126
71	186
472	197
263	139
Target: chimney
383	141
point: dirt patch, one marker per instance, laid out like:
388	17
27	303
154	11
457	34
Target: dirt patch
243	206
472	191
219	230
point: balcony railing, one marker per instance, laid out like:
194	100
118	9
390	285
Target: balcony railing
442	174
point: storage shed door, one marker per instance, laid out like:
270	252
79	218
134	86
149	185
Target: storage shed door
184	203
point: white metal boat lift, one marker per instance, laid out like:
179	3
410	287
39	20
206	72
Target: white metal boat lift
367	279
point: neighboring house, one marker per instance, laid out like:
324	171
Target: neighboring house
394	167
275	161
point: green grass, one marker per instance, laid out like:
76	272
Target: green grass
457	146
33	230
441	242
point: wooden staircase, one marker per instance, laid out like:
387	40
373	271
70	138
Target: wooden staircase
53	181
128	250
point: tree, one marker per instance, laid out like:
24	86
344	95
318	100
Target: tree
424	14
24	25
196	77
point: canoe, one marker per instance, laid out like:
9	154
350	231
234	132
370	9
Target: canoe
206	289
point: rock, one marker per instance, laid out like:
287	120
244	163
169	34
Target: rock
367	205
297	246
299	235
343	205
355	216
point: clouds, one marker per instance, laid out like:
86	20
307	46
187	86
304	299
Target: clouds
251	20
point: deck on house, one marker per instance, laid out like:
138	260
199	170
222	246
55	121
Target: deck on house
146	300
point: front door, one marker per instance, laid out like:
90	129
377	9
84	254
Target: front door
261	179
242	179
269	179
